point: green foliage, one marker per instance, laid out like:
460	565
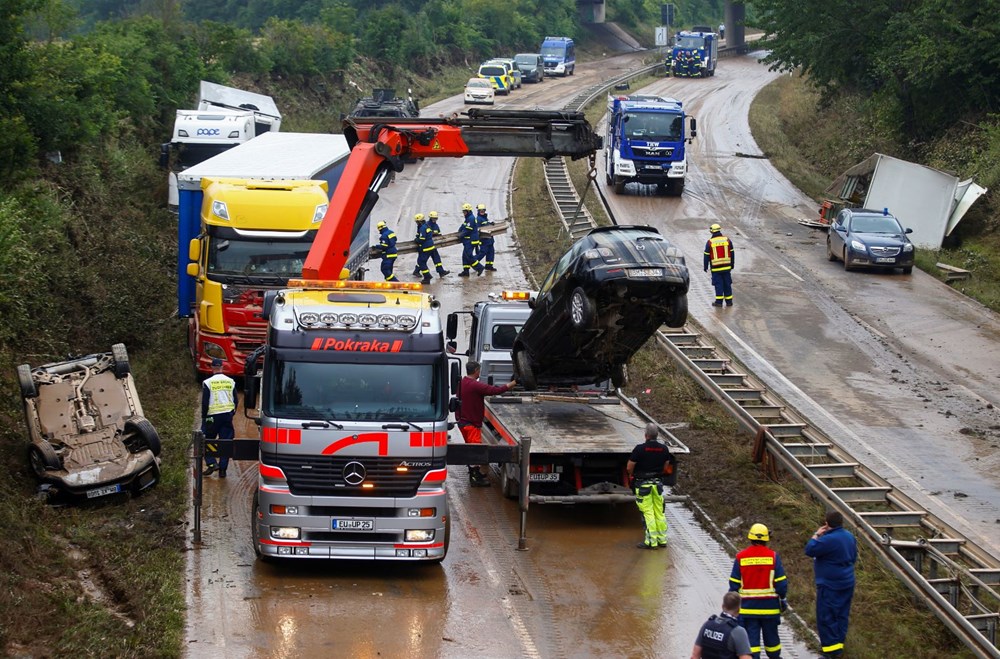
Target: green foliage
295	48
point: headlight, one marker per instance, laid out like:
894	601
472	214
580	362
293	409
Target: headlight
625	167
418	535
285	532
213	350
858	246
220	210
908	247
319	213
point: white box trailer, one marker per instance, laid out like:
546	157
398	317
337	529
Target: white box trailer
927	200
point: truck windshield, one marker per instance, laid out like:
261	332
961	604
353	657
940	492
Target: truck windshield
353	392
690	42
654	126
249	256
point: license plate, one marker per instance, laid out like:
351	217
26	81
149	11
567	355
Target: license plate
353	525
543	478
885	259
103	491
645	272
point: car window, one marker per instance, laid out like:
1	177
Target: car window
875	224
503	336
492	70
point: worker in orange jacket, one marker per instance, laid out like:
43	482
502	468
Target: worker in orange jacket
760	579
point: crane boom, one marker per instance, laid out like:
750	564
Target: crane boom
378	149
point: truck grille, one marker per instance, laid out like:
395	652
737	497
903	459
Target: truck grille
310	475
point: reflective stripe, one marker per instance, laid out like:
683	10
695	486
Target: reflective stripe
833	648
757	592
759	612
220	394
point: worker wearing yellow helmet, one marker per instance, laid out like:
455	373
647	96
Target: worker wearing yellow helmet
426	250
759	577
468	233
487	251
386	249
719	256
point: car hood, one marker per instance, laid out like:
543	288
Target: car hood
886	239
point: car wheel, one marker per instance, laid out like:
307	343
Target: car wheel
581	309
120	356
619	376
42	458
141	435
847	264
830	256
28	388
678	312
508	485
908	270
525	373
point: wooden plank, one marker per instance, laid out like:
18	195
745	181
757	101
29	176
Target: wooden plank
443	240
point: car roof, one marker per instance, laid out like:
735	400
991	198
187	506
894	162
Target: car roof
868	211
619	234
478	81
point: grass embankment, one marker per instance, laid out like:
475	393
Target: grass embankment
805	138
721	477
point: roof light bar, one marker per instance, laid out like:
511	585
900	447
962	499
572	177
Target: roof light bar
313	284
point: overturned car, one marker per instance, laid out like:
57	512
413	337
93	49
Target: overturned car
89	438
598	305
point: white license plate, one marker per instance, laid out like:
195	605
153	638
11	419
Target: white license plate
885	259
543	478
645	272
353	525
103	491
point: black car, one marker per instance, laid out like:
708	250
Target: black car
598	305
864	238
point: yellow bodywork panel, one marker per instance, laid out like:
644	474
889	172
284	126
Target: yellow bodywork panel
264	205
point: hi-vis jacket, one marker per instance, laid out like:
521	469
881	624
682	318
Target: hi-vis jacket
719	253
468	232
760	579
425	237
387	241
219	395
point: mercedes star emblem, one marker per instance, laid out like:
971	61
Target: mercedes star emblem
354	473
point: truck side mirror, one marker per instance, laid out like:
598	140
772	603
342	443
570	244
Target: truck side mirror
193	269
694	128
194	250
456	378
165	155
451	331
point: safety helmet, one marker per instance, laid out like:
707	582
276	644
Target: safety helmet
433	215
381	225
481	207
714	228
467	207
759	532
419	217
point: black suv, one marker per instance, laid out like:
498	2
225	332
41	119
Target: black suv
385	103
598	305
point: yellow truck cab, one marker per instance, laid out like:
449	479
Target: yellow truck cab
255	235
498	74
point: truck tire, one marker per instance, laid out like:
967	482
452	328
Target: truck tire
28	388
120	355
508	486
141	435
581	309
619	187
678	312
42	458
677	187
522	362
619	376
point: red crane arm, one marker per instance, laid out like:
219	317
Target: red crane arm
378	149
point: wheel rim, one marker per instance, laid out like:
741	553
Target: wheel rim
577	310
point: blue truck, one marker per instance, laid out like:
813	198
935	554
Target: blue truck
694	55
645	142
558	56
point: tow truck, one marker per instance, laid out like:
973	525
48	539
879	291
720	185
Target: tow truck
581	436
351	387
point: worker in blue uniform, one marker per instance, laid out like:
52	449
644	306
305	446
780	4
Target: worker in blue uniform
719	256
834	551
218	406
386	248
426	249
468	233
487	251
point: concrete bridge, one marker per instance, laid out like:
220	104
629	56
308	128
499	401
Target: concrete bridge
593	11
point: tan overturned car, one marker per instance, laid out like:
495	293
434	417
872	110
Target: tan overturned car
89	438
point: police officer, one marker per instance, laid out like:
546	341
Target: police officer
218	405
486	248
426	249
719	256
468	233
645	469
721	637
387	249
432	224
760	579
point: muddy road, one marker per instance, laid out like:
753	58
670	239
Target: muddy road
582	589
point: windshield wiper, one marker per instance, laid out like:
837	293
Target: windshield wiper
322	424
400	426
